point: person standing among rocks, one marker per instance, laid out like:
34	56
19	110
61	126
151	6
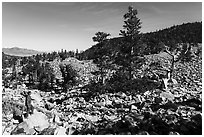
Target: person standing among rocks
29	107
28	103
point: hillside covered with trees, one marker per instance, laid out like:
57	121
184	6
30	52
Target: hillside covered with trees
152	41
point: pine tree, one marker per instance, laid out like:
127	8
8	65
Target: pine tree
131	49
101	37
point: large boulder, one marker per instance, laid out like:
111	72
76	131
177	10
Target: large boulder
36	122
60	131
38	119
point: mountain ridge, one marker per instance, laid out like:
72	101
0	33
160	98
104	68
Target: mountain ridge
171	37
17	51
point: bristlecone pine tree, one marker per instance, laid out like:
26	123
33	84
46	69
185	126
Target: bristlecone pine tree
101	37
131	49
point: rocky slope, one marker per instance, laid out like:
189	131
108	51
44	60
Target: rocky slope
170	111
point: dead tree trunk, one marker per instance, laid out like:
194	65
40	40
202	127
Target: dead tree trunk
172	63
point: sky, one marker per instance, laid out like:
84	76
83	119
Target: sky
51	26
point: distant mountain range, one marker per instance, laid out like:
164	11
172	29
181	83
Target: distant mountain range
16	51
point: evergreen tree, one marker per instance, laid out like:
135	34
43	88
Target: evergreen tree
100	37
46	77
69	76
131	49
101	59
